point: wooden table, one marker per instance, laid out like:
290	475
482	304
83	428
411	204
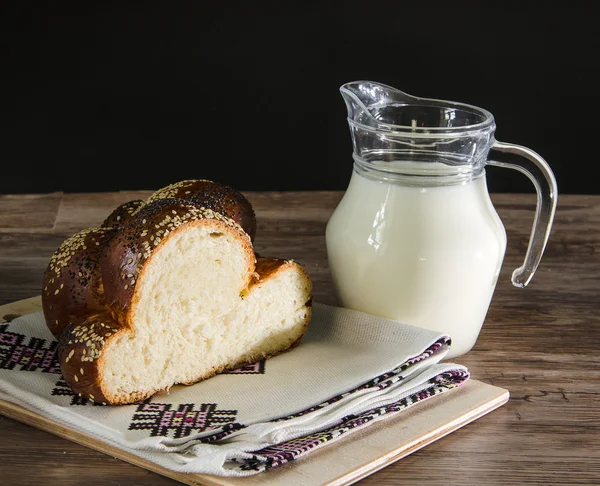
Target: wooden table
542	344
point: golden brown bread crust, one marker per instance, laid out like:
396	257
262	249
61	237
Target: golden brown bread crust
89	286
79	350
217	197
203	193
72	281
266	267
122	214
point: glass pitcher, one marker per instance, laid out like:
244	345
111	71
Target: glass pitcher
416	237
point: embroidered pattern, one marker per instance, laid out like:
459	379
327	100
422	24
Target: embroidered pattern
284	452
382	381
33	356
257	368
160	420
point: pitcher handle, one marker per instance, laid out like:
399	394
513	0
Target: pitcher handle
539	172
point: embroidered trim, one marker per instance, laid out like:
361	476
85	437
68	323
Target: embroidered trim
32	356
285	452
161	420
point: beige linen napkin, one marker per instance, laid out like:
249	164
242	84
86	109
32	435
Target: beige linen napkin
351	370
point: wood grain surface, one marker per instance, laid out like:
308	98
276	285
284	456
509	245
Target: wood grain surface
541	343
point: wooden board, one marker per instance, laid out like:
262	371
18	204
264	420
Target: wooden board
341	463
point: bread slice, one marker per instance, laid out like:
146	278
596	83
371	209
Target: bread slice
180	297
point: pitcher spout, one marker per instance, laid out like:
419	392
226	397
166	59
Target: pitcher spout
369	103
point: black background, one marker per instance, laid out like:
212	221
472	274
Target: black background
132	95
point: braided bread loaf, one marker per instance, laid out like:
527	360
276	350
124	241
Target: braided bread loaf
169	291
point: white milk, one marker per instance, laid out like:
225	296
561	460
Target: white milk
423	256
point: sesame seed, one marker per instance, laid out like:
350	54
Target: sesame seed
118	218
126	286
56	291
91	396
62	285
76	379
81	371
129	260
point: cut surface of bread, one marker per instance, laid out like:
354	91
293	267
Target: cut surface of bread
189	334
178	296
193	314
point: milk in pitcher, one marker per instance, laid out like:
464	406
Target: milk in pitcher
427	256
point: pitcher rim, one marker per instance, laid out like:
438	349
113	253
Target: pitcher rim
487	122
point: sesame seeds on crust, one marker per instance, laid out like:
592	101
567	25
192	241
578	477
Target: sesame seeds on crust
90	338
69	249
122	214
72	282
173	190
80	351
214	196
